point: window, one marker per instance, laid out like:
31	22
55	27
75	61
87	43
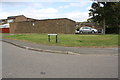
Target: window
83	27
88	28
9	21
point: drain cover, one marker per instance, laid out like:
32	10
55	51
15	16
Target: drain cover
42	73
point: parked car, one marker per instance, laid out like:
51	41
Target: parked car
87	30
77	31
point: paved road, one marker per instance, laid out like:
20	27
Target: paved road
23	63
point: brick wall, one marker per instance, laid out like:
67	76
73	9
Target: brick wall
65	26
20	18
13	27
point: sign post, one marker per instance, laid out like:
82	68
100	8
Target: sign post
48	38
56	39
55	35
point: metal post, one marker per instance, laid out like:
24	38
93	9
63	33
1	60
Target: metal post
48	38
104	26
56	39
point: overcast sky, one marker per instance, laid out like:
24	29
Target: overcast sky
76	10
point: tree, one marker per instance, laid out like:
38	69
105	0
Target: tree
106	13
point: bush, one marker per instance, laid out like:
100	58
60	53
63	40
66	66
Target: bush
112	30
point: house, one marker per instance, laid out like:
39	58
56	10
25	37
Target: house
89	24
59	25
4	23
31	19
18	18
4	28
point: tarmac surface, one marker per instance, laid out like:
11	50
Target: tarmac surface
23	63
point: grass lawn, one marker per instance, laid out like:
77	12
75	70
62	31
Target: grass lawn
70	40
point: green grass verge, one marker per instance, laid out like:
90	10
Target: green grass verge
70	40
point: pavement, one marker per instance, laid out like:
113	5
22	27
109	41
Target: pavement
22	63
61	49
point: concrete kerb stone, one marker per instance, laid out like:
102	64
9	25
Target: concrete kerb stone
72	53
41	50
